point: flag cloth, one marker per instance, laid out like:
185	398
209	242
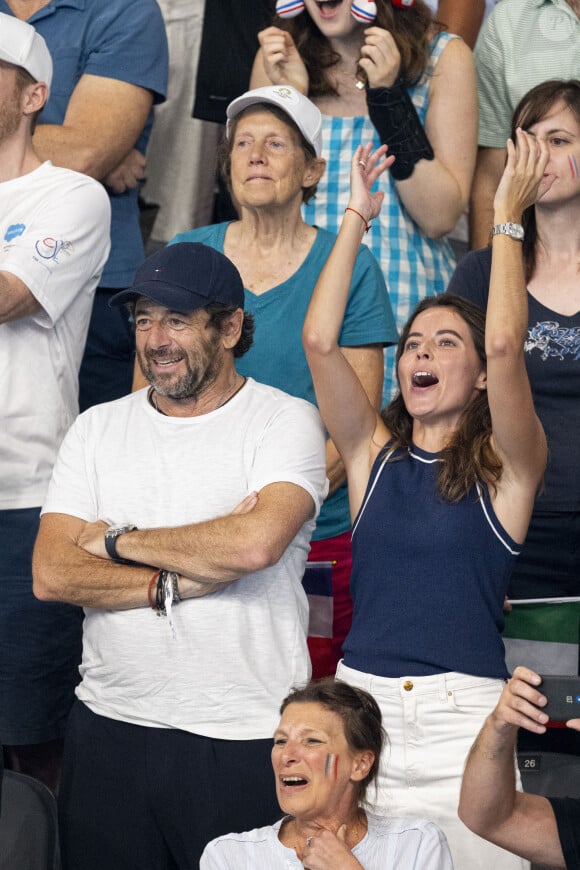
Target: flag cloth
544	637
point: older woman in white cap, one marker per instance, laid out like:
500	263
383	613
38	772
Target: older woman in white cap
271	162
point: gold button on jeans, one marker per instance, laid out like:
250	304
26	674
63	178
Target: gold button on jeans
407	685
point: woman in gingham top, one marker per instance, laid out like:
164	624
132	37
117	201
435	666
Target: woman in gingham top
404	50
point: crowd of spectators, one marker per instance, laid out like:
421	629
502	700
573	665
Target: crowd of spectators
365	207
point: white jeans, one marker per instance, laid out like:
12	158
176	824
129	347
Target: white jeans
431	723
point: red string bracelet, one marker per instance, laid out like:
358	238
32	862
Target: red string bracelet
152	583
367	226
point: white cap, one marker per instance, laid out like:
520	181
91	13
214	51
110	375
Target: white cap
299	109
21	45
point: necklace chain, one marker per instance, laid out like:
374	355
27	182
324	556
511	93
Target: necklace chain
233	389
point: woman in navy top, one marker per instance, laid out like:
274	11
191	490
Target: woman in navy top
442	486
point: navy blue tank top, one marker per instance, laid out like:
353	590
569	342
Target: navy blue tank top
429	577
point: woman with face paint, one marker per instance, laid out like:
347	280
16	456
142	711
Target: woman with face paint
549	565
385	72
441	486
325	756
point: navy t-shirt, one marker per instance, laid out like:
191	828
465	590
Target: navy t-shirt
553	365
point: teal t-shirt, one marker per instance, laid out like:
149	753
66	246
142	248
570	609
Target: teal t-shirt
277	357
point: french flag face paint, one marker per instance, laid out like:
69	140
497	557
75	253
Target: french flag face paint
331	766
573	165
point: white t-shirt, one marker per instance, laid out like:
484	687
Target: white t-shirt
238	651
389	844
54	236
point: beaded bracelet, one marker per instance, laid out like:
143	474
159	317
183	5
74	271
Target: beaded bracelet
167	583
160	594
152	583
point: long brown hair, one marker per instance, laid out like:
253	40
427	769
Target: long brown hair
532	108
469	458
409	27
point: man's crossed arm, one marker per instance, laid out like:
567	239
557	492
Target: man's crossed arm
70	562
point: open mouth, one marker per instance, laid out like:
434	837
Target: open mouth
328	7
164	362
424	379
293	781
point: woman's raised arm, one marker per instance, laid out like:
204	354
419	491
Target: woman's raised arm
348	414
518	436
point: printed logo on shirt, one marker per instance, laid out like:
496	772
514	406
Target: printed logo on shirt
13	231
553	340
556	25
49	249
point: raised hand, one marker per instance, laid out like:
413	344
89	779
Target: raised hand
282	62
367	165
520	703
380	58
522	176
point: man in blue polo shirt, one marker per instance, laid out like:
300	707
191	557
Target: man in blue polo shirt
110	67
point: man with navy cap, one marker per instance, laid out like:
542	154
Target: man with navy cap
54	242
179	517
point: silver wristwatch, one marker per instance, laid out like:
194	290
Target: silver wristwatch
111	536
514	231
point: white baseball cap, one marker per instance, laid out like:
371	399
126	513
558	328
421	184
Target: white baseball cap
21	45
299	108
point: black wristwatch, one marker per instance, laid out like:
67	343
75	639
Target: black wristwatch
111	536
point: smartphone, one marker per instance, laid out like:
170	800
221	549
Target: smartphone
563	694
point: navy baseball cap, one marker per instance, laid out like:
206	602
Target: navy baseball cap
185	277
